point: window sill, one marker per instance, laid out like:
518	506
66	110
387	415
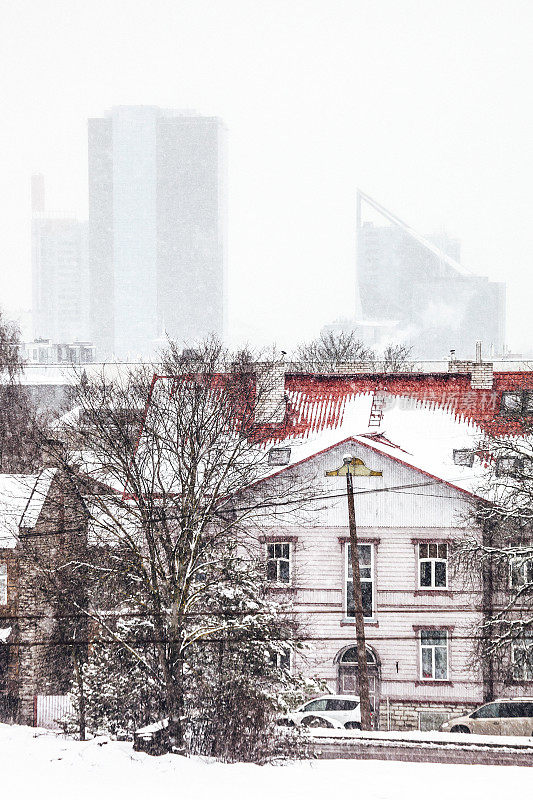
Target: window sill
431	540
433	683
428	592
281	587
372	621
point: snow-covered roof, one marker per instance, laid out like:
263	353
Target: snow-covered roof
21	501
418	436
5	634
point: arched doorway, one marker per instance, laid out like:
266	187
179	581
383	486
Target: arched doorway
347	676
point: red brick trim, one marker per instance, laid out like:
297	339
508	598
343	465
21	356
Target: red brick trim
432	540
428	627
360	539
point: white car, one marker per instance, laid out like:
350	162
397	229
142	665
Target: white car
329	711
508	716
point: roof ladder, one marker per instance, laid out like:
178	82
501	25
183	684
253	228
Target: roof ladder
377	409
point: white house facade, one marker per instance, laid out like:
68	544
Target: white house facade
420	615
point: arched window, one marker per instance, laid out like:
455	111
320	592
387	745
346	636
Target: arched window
350	656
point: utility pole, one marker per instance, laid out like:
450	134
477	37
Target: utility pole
354	466
364	694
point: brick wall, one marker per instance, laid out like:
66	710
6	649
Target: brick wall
9	686
44	627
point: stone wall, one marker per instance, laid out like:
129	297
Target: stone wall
405	715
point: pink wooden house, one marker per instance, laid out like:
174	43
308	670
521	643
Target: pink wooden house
419	616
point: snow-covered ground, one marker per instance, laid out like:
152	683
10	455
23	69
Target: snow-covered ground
38	763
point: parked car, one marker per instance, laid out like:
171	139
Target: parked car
504	717
329	711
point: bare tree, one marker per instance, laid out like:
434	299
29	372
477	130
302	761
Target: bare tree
502	557
160	462
332	349
397	358
19	447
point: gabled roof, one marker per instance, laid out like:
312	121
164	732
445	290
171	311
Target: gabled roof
21	501
458	481
426	416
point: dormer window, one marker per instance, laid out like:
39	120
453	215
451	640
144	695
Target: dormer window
463	458
279	456
518	403
512	465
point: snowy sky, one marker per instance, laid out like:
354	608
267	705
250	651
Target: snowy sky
424	104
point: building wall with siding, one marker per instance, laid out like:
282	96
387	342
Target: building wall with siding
394	522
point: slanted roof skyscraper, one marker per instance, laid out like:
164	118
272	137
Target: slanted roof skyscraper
419	283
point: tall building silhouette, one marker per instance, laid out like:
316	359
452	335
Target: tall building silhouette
60	276
417	284
156	229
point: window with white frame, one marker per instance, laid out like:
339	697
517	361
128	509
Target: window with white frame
522	660
3	584
366	571
521	571
434	655
279	562
433	565
282	659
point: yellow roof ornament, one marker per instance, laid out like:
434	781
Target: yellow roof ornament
354	466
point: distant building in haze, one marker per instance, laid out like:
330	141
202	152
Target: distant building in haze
60	275
419	284
156	229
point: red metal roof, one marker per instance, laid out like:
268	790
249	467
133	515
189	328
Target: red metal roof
318	402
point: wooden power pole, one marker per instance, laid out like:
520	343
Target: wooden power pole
354	466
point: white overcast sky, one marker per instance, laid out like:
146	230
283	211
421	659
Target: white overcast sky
424	104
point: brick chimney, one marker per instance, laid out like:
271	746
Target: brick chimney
482	372
271	404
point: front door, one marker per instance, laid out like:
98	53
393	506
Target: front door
348	679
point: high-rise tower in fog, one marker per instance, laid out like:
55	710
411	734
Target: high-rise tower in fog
60	277
156	229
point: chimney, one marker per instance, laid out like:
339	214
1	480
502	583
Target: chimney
482	375
270	387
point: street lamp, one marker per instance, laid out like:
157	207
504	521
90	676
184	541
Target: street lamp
354	466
